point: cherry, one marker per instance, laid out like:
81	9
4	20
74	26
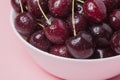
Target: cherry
79	21
39	40
102	34
111	4
60	8
57	32
78	7
24	2
33	7
16	5
95	10
103	53
114	19
60	50
115	42
25	23
81	46
117	4
81	29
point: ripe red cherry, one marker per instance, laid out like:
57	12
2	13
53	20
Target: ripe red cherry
60	8
114	19
111	4
24	23
102	34
103	53
115	42
95	10
60	50
117	4
80	22
81	46
78	7
16	5
34	9
57	32
39	40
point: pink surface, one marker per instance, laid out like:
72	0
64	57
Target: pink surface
15	63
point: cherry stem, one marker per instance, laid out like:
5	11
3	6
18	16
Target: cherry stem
73	22
21	6
48	21
81	1
41	25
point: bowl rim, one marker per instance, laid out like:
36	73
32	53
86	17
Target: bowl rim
48	54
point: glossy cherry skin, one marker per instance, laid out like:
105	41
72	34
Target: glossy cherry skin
103	53
39	40
114	19
16	5
60	50
57	32
80	22
115	42
24	23
34	9
78	7
95	10
102	34
60	8
81	46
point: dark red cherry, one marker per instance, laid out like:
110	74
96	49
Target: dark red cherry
24	23
117	4
57	32
34	9
24	2
39	40
114	19
16	5
95	10
80	22
103	53
111	4
102	34
60	8
78	7
60	50
81	46
115	42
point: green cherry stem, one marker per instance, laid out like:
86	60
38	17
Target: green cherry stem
73	22
41	25
81	1
21	6
48	21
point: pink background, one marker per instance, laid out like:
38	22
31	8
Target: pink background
15	63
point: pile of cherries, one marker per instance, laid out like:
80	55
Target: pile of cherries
81	29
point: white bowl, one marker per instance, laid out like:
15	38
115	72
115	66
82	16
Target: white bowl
72	69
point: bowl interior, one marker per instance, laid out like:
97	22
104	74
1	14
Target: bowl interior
12	17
